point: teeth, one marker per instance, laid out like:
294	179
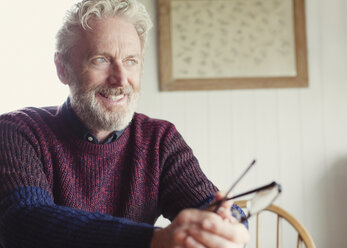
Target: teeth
116	98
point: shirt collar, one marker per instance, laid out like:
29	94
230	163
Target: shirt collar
81	130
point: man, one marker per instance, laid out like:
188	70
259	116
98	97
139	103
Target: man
91	173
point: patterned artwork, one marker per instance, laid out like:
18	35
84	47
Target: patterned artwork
232	38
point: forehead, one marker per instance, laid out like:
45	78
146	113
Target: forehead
114	34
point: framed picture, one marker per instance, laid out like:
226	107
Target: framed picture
231	44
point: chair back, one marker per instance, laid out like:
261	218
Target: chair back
303	234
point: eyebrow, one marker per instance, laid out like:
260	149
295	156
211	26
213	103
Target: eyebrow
92	54
136	56
106	54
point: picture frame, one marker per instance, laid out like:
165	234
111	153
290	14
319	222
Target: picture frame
231	44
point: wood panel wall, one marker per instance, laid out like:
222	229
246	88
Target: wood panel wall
298	136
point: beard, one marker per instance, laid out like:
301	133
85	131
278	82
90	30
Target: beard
95	115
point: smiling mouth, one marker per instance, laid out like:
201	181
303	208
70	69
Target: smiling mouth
113	97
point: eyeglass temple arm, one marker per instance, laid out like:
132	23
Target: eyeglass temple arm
218	204
270	185
273	184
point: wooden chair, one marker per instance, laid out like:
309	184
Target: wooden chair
303	235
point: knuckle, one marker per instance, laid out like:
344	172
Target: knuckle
209	225
183	216
178	236
213	222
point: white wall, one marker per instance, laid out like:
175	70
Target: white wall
298	136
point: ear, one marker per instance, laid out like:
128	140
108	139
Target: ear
61	70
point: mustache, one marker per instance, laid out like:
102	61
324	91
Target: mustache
109	91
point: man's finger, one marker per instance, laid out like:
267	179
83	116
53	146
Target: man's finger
192	243
194	216
208	239
235	232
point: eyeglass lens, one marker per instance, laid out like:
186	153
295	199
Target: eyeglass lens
259	202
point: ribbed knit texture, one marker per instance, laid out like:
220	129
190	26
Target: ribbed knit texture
57	190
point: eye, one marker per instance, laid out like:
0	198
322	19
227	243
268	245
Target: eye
131	62
100	60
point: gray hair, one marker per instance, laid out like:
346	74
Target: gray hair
82	12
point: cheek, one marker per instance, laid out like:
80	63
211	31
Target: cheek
94	78
134	78
135	82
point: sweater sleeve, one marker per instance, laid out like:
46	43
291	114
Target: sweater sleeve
183	183
30	218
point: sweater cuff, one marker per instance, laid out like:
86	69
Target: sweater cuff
29	218
207	201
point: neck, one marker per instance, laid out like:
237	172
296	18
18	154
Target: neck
101	135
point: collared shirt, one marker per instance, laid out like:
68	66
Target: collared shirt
81	130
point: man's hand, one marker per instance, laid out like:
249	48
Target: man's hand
224	210
194	228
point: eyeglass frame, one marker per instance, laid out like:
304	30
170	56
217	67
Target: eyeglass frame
256	190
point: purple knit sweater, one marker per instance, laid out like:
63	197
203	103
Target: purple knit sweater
57	190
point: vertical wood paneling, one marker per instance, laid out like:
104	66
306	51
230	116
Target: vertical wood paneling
172	109
313	134
196	126
267	154
220	151
299	136
290	147
267	142
290	154
149	99
335	89
243	135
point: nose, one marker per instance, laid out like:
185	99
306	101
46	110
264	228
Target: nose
118	75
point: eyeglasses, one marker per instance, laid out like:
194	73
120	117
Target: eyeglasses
263	197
